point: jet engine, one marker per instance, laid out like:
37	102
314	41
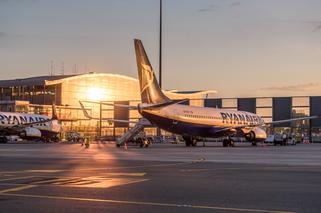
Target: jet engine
255	135
30	132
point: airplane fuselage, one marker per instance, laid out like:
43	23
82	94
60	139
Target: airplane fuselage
10	120
199	121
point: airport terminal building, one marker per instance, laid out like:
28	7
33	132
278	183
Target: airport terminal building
37	94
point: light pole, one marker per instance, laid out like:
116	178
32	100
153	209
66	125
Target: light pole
160	51
160	42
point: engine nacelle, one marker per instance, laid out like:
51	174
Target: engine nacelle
30	132
255	135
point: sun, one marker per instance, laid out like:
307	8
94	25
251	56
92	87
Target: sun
95	94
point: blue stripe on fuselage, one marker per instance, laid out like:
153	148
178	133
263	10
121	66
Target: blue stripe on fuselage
183	127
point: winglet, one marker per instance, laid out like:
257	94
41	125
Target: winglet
84	111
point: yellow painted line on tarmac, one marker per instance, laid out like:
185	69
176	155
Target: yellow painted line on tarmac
45	170
215	169
137	174
144	203
80	183
103	168
17	188
16	178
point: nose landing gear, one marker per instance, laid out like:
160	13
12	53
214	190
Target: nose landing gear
190	141
228	142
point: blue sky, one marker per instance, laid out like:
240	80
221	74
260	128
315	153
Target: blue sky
238	47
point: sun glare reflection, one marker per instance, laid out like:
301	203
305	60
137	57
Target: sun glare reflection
95	94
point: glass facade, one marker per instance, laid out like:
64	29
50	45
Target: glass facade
246	104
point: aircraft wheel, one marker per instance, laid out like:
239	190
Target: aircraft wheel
194	142
3	140
225	143
187	140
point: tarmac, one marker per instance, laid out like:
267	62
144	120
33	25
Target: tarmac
162	178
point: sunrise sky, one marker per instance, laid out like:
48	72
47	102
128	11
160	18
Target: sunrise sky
240	48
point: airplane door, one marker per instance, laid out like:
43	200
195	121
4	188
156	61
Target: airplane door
175	115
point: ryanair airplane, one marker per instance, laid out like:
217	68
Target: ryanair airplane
192	122
29	126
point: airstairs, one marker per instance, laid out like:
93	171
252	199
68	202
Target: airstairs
133	131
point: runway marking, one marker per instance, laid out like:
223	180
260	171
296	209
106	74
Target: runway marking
216	169
138	174
16	178
45	170
86	182
199	160
17	188
144	203
104	168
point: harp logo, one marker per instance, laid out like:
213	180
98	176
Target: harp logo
147	77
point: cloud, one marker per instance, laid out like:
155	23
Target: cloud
235	4
310	87
209	8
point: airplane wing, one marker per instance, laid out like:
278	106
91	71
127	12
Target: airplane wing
269	123
293	119
103	119
121	105
110	104
55	116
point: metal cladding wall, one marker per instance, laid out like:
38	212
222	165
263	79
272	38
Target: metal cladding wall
282	109
121	113
216	103
246	104
315	109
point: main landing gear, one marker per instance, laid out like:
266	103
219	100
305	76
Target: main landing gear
189	141
228	142
3	139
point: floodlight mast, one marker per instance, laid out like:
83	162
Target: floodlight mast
160	42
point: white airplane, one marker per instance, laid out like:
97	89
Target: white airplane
29	126
192	122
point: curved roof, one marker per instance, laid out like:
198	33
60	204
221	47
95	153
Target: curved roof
56	79
96	75
33	81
